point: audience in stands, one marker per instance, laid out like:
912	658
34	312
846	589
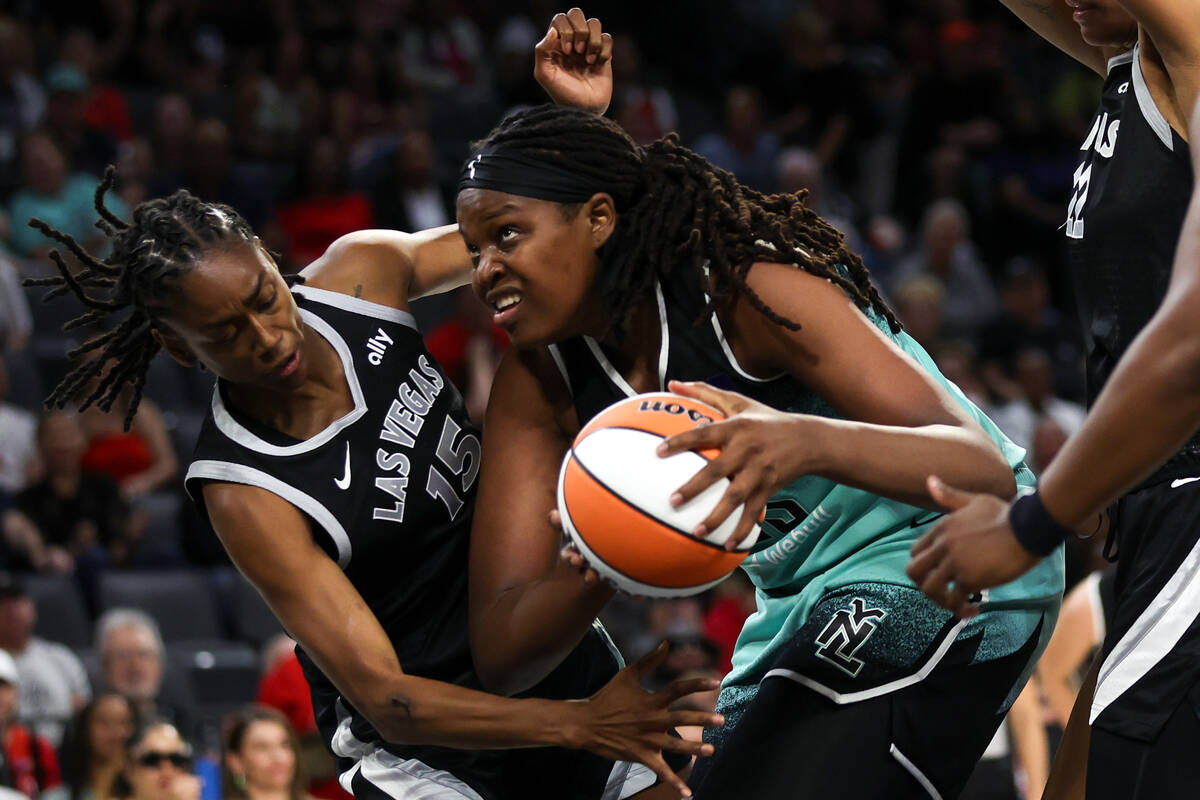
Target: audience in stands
22	98
133	662
744	146
18	439
93	750
325	208
260	757
30	764
407	196
158	766
54	684
87	149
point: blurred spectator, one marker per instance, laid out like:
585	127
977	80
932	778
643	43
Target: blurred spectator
158	766
324	208
1027	319
16	321
957	362
800	170
275	113
468	346
210	172
947	254
732	602
22	100
919	303
106	108
63	199
260	758
645	109
140	460
30	763
745	147
358	108
54	684
82	522
1048	439
86	148
441	49
135	171
513	48
18	429
93	750
172	139
408	198
132	662
679	619
1033	377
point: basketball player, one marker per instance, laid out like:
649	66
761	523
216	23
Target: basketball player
1123	222
338	466
618	269
1143	715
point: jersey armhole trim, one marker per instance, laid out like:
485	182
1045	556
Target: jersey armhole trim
229	472
356	305
1154	118
556	355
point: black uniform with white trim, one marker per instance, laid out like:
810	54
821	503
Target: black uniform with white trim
389	491
1132	190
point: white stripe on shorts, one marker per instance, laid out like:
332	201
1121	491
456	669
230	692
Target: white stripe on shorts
407	779
1152	635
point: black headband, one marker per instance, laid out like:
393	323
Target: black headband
515	173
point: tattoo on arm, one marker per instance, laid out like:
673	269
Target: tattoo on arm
358	290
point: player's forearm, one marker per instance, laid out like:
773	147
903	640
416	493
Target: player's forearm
1149	408
421	711
530	629
894	461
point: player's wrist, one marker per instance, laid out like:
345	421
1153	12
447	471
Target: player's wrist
1034	527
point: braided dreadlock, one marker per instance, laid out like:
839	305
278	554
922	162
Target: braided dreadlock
141	275
675	208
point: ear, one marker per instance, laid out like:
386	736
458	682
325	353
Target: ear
600	212
174	346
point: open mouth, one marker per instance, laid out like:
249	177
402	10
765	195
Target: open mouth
505	305
290	365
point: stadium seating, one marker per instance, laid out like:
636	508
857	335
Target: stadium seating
180	601
61	614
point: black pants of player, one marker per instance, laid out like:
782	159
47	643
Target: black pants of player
916	743
1120	768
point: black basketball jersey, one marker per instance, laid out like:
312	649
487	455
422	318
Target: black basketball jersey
1131	192
389	491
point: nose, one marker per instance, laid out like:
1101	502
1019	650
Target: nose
266	337
488	270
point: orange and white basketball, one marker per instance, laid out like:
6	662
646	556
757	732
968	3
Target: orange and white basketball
614	498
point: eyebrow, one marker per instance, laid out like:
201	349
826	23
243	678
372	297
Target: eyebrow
250	298
509	206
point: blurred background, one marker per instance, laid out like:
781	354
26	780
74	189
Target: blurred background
939	136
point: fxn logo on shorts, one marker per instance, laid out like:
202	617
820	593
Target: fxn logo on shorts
846	633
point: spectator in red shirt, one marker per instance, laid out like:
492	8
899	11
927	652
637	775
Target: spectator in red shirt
30	764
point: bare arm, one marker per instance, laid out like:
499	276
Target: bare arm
270	543
1031	746
1051	19
528	609
1173	27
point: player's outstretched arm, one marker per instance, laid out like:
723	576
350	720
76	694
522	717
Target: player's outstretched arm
271	544
528	608
1051	19
1148	409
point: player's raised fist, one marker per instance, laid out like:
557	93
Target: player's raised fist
573	62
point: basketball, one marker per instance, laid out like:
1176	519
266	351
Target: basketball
614	499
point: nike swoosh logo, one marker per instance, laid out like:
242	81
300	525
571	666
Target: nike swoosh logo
344	481
1175	484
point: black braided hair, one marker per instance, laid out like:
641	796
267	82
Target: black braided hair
676	209
141	276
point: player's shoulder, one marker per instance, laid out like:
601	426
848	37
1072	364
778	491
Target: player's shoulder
370	264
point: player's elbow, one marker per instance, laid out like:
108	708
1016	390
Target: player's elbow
499	670
400	718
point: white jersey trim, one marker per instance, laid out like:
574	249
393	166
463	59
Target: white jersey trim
562	367
239	473
887	688
1158	123
407	778
1152	635
915	771
1117	61
616	377
235	431
356	305
664	343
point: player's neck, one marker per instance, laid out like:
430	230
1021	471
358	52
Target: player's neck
633	350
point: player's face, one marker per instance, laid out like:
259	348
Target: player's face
235	314
535	268
1103	23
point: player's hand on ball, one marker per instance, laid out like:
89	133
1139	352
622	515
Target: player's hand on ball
761	452
573	62
970	549
627	723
